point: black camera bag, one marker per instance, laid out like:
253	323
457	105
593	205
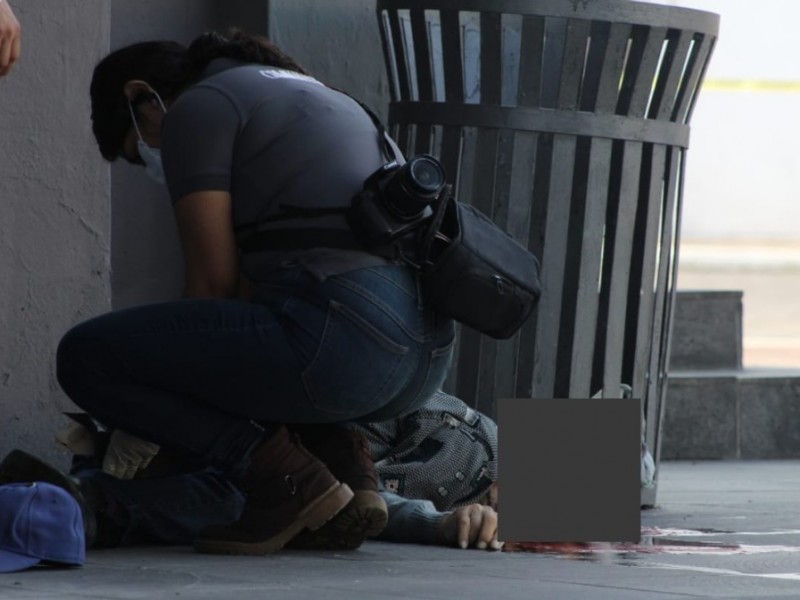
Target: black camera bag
475	272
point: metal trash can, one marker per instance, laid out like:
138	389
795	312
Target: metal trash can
566	121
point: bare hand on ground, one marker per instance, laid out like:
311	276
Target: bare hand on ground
473	526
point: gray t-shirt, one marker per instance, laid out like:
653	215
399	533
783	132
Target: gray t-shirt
279	142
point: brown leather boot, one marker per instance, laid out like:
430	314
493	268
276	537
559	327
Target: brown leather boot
288	489
346	453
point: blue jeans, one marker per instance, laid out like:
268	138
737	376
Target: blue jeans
195	374
177	508
168	510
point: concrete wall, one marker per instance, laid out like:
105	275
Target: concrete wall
54	211
743	171
338	42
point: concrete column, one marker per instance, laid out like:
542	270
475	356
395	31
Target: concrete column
338	42
54	211
249	15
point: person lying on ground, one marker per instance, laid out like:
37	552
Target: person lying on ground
443	457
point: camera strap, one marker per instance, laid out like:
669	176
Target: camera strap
390	149
261	237
424	258
299	239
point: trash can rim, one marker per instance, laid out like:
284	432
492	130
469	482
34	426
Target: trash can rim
626	11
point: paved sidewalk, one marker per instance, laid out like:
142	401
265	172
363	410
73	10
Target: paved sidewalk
723	530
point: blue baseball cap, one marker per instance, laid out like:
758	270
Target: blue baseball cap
39	522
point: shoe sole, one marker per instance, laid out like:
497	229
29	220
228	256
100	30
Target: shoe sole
313	516
364	517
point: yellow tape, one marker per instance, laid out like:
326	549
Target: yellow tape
750	85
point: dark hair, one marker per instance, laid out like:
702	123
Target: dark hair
169	68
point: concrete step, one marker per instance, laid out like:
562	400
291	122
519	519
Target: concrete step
732	414
706	331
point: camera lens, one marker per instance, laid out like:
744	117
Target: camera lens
412	187
425	176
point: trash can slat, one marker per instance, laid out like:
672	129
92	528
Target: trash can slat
502	178
451	153
422	53
491	58
688	94
596	46
487	379
644	326
469	352
673	66
451	54
555	35
530	64
484	170
658	376
611	68
523	159
553	264
469	150
589	279
506	363
572	64
400	70
623	245
647	45
422	138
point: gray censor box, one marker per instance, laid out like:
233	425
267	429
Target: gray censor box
569	470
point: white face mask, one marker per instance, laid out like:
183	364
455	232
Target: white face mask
154	168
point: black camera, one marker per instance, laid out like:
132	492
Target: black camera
396	199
